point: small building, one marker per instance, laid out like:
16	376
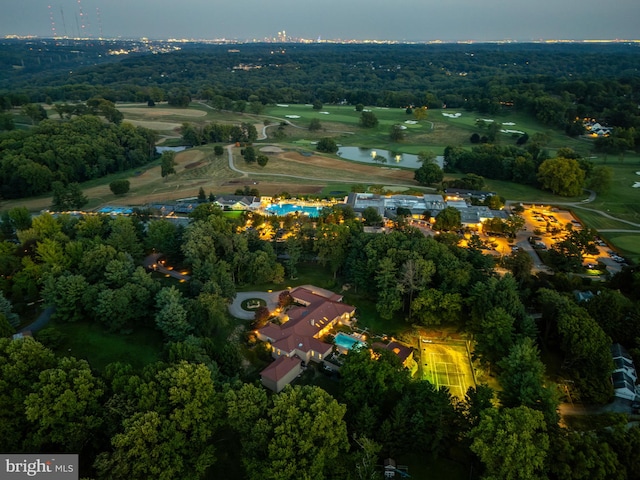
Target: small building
624	376
281	373
403	352
238	202
389	468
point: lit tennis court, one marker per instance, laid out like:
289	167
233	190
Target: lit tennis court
447	365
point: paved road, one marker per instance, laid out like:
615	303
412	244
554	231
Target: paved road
152	260
237	311
40	322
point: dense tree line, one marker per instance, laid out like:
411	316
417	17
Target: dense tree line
76	150
554	83
566	174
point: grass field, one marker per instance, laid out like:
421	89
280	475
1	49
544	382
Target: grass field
447	365
329	175
99	347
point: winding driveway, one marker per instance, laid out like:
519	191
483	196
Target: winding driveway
237	311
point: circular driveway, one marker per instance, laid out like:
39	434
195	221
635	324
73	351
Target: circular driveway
237	311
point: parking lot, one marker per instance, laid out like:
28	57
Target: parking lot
545	226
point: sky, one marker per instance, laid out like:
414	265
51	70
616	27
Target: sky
401	20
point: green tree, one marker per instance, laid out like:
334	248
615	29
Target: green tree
167	163
371	386
315	125
262	160
171	434
448	219
171	317
64	407
20	218
6	310
67	294
396	133
368	120
69	197
249	154
434	307
372	217
600	179
35	112
309	434
428	174
426	156
512	443
495	337
522	379
327	145
21	362
119	187
317	105
562	176
388	288
293	248
420	113
332	242
124	237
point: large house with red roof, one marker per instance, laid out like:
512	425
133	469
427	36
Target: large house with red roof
297	339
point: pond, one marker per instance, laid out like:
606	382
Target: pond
171	149
379	156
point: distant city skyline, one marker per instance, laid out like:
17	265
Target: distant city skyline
402	20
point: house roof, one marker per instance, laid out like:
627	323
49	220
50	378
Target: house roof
305	322
280	368
303	343
402	351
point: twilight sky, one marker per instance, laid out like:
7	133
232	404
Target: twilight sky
419	20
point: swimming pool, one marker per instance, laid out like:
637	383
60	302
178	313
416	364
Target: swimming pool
287	208
116	210
346	342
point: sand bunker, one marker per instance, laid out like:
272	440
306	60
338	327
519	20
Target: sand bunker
509	123
451	115
281	105
512	131
411	122
292	116
271	149
325	113
636	185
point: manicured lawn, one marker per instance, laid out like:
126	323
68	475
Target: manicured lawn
627	243
622	199
93	343
600	222
523	193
